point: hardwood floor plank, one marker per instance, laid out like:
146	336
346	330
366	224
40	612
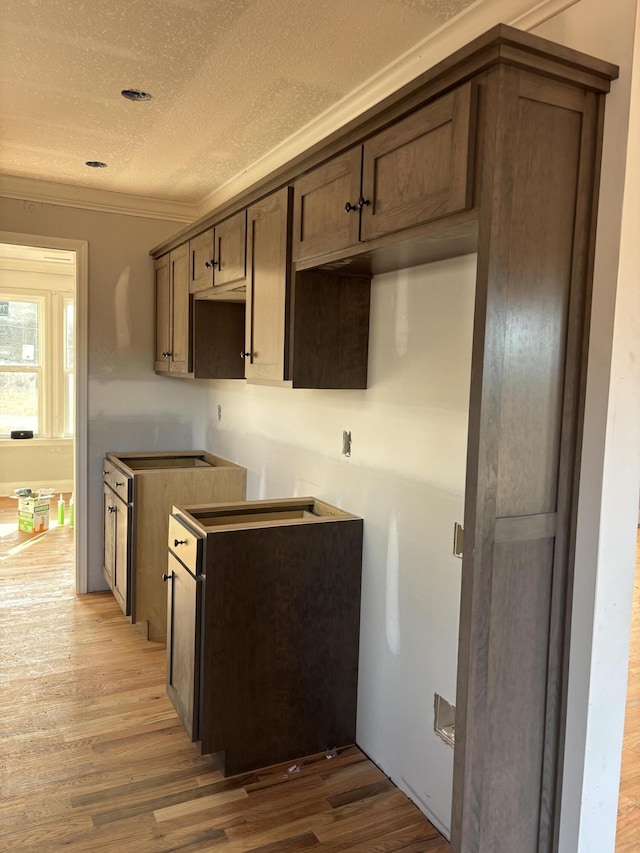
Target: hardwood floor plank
95	759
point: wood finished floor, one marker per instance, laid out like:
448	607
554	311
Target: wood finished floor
94	759
628	834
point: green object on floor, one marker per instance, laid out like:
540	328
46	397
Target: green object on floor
61	511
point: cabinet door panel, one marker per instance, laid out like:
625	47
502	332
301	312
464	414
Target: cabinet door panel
201	254
108	500
121	563
183	643
163	314
268	248
231	250
421	167
181	310
321	222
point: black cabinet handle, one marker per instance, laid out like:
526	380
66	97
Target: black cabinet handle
348	208
167	577
167	354
362	201
104	473
112	508
119	484
211	264
245	355
177	542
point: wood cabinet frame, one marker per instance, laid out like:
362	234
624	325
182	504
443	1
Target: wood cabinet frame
537	155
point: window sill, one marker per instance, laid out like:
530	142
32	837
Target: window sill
37	442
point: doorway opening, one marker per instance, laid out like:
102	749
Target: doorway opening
43	377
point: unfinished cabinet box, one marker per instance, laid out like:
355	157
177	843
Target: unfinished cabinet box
142	487
263	613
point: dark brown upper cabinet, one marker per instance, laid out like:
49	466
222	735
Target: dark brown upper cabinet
218	257
418	169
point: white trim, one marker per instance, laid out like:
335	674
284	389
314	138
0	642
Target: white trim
69	195
456	33
81	248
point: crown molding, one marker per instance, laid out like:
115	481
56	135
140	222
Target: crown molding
68	195
469	24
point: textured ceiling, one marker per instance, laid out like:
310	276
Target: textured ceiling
230	79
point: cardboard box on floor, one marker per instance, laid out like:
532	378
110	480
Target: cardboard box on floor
33	515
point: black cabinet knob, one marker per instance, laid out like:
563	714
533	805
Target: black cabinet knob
119	484
166	577
348	208
363	201
211	264
245	355
111	508
177	542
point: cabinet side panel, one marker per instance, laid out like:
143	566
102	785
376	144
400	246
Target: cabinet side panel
330	327
281	663
536	191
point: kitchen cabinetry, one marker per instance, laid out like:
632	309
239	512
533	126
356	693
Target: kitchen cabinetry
218	257
418	169
173	313
264	606
136	527
533	160
314	332
117	546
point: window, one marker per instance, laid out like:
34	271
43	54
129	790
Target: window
37	350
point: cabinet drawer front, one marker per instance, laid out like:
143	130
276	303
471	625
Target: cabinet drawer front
201	254
420	168
186	545
120	482
321	222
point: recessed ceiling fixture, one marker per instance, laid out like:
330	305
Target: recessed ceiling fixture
96	164
135	95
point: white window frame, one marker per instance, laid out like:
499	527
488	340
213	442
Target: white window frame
51	370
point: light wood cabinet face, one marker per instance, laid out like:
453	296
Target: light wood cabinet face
179	361
184	602
231	250
218	256
163	314
268	229
173	312
201	252
421	167
321	220
117	562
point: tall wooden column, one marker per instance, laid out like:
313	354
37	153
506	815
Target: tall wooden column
539	144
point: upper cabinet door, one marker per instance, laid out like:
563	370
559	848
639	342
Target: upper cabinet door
268	284
202	262
179	359
163	314
231	250
326	213
420	168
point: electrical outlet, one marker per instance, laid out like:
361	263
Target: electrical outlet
346	443
444	723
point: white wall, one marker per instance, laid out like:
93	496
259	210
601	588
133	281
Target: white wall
406	479
129	407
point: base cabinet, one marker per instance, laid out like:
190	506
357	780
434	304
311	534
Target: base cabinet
117	548
142	488
274	661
